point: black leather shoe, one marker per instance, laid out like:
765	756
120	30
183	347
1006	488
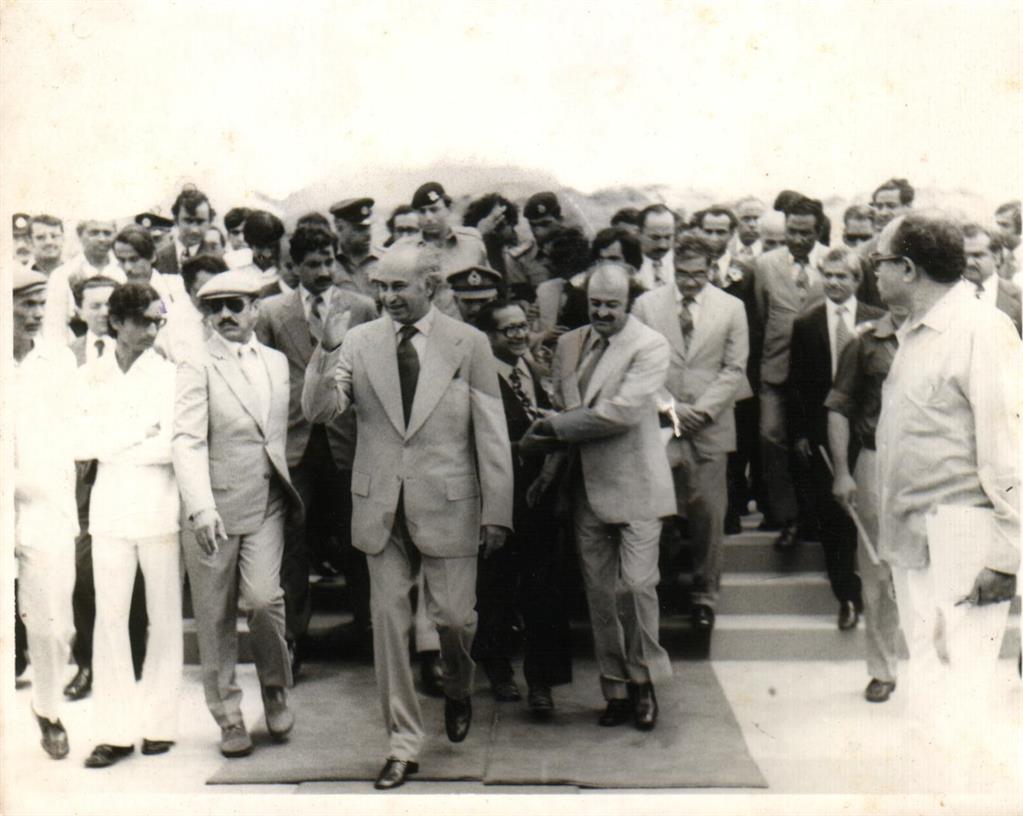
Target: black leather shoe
506	691
878	691
645	707
295	659
541	703
394	773
702	618
616	713
457	718
154	747
103	756
80	685
848	616
54	739
431	672
787	538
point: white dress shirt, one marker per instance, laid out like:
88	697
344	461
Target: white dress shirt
308	298
504	371
60	301
91	349
989	290
126	423
694	305
420	338
652	277
849	318
253	368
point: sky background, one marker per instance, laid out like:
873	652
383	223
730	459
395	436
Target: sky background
107	107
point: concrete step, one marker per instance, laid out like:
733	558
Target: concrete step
753	551
776	593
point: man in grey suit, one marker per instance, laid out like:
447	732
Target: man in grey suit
786	281
709	338
607	377
432	477
230	423
985	249
193	215
319	456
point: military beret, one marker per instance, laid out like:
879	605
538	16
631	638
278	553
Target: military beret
25	279
357	211
475	280
262	228
542	205
244	281
20	223
151	219
427	194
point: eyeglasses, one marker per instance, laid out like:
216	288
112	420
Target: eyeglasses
876	258
235	305
515	328
146	322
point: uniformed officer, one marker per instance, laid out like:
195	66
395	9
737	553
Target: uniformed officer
353	219
473	289
529	262
22	239
159	226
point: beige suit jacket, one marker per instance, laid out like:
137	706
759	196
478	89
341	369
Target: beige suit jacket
614	423
711	376
451	465
225	453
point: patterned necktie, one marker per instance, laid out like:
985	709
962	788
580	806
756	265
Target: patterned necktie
842	335
588	367
408	369
657	273
685	321
316	319
802	280
515	379
99	347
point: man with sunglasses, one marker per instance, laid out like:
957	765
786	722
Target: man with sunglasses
126	408
230	428
709	338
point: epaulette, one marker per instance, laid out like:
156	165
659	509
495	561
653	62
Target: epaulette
519	250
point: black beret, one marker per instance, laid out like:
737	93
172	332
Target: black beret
427	194
542	205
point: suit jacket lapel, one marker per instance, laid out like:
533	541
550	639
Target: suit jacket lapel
230	369
669	319
570	381
381	355
705	320
613	354
297	327
435	371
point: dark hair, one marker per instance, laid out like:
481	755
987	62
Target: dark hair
806	206
569	252
486	318
932	242
1013	208
656	209
191	269
996	241
717	209
97	282
309	238
785	199
315	219
263	229
236	217
632	252
903	187
635	287
626	215
858	212
129	300
139	239
47	220
191	199
401	209
694	244
482	206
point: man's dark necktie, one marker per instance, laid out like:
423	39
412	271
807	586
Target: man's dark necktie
590	364
515	379
99	347
685	322
408	369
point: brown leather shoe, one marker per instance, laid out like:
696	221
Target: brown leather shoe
54	739
103	756
394	773
878	691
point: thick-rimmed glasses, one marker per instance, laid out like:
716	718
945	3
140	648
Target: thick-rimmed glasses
515	329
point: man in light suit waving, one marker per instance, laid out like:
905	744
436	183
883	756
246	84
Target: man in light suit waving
432	475
606	378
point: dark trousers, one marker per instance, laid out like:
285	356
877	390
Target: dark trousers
745	472
325	533
20	636
837	531
526	573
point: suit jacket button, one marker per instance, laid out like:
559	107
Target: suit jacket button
266	475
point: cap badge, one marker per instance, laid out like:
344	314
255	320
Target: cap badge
474	278
432	196
541	209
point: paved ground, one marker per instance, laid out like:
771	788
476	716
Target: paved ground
806	725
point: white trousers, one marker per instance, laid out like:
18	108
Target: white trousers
123	709
46	580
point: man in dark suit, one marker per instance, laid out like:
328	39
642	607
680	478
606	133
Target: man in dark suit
193	215
984	251
818	337
319	455
528	567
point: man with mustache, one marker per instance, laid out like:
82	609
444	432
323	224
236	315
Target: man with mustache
657	227
230	427
431	480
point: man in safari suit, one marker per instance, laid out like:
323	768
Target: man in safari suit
432	473
230	425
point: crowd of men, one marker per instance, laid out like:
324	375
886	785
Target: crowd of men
445	418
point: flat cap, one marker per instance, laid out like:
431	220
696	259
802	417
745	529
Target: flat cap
239	259
243	281
427	194
25	279
357	211
152	219
542	205
20	223
481	281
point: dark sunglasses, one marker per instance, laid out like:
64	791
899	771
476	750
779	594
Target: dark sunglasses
235	305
